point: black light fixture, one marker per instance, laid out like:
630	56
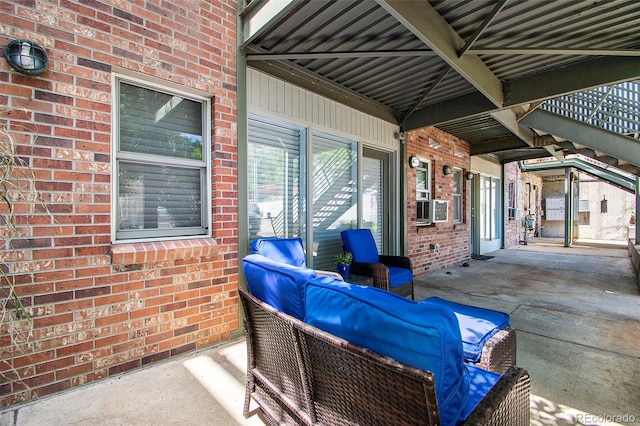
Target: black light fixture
27	57
468	175
447	170
603	205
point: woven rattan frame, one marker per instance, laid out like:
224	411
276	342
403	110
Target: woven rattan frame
380	273
298	374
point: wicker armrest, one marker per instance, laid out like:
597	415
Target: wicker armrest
323	273
398	261
499	352
378	271
507	403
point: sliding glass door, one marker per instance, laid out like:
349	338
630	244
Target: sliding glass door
291	167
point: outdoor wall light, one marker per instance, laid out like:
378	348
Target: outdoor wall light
603	205
468	175
27	57
447	170
414	162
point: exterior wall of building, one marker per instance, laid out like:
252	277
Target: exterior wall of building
452	238
513	200
485	169
273	97
98	308
523	192
612	225
589	220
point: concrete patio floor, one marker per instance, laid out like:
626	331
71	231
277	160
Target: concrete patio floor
576	311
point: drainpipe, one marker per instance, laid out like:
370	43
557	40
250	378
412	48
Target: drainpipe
503	231
568	208
637	241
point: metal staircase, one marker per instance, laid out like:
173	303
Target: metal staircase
596	131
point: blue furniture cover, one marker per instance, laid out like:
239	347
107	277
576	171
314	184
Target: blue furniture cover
423	335
477	325
283	250
361	244
278	284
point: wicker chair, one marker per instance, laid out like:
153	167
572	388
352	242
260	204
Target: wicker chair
391	273
298	374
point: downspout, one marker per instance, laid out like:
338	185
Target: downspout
242	148
242	142
404	196
503	225
637	236
568	208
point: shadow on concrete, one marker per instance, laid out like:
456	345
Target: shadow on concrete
576	311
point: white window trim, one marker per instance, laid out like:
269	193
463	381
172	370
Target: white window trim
459	195
428	168
206	202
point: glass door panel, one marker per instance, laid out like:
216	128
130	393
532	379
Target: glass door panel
335	183
276	180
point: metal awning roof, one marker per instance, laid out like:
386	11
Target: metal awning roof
476	69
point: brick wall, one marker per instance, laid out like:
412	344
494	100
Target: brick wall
527	194
513	226
100	309
453	238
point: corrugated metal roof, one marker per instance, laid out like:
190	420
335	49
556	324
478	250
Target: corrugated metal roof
387	54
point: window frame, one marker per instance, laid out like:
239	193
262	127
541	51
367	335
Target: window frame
118	156
458	196
424	196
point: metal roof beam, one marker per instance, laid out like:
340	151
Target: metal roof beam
339	55
462	106
478	32
427	25
259	15
564	52
573	78
546	85
619	146
496	145
509	120
598	172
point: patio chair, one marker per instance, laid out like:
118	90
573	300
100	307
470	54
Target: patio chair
391	273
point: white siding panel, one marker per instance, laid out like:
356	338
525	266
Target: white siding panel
269	95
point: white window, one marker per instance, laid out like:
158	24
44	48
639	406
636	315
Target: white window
162	151
423	192
457	195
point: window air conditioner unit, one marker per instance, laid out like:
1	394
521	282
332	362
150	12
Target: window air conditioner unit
432	211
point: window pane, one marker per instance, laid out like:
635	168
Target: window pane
334	195
421	180
373	197
158	123
495	201
276	186
457	195
158	197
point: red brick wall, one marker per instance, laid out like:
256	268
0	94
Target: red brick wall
527	194
453	238
513	227
100	309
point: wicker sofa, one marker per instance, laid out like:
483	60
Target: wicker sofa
355	362
489	341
